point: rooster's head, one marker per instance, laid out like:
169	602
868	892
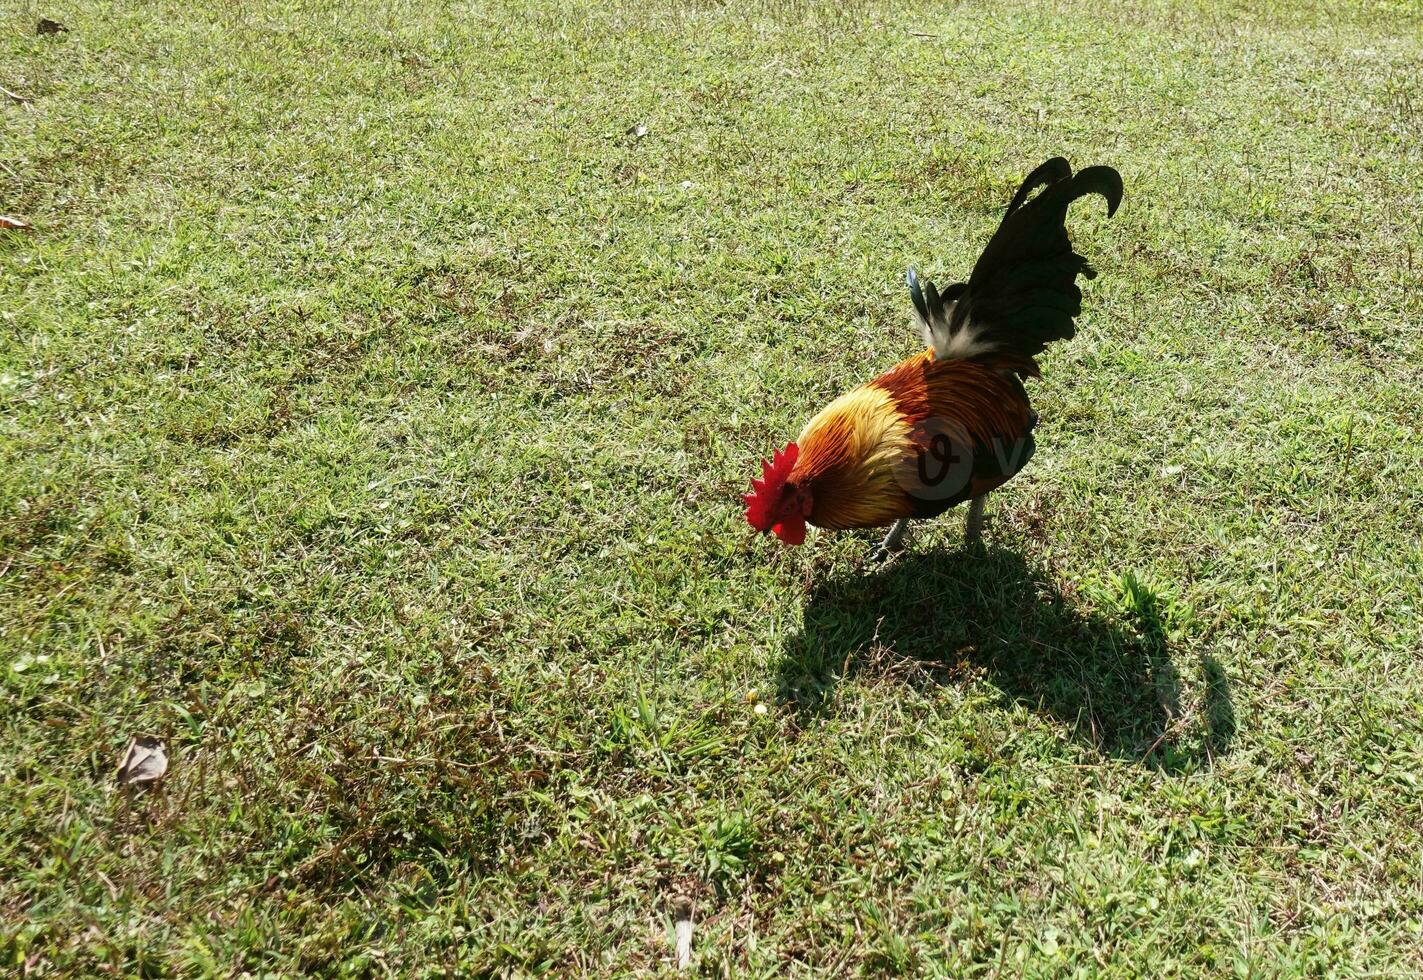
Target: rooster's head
775	503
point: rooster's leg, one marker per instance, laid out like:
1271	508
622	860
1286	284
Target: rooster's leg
893	541
973	524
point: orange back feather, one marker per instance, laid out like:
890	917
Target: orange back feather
854	454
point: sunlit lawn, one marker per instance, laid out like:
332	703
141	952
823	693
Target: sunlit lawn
379	383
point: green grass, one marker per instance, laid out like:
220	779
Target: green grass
376	404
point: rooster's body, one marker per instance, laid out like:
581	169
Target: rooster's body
954	422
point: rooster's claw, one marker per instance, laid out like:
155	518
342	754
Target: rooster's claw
892	544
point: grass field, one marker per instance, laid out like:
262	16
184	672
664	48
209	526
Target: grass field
379	383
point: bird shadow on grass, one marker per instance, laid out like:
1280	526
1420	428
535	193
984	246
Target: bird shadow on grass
1114	680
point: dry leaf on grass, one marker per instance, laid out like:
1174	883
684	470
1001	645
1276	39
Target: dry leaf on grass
12	223
145	761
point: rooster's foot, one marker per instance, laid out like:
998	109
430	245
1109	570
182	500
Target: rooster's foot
893	542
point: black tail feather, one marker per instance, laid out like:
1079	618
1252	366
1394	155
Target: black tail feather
1023	293
1049	172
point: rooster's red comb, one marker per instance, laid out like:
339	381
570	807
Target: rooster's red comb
766	492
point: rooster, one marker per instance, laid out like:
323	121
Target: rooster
952	423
